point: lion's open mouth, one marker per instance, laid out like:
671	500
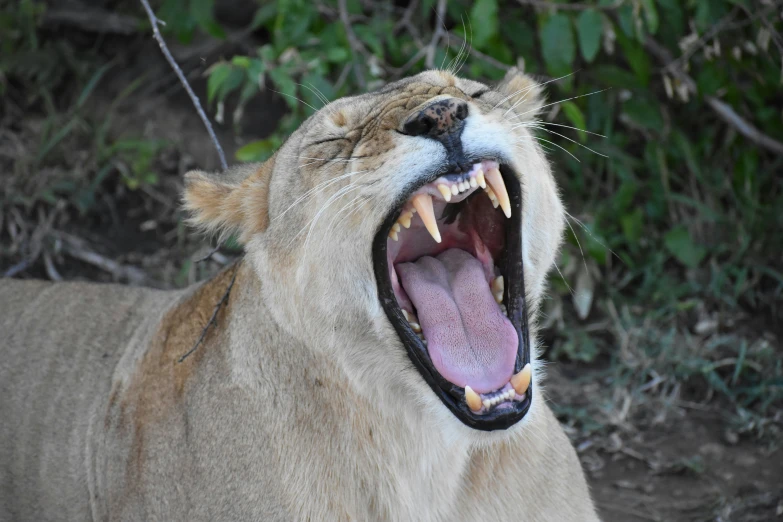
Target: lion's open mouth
450	276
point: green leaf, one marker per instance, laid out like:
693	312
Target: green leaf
256	150
575	116
557	44
680	245
589	26
484	21
633	226
217	76
286	86
644	113
650	15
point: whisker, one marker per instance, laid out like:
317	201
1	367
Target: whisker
592	236
569	139
540	122
530	87
558	146
316	188
300	100
567	99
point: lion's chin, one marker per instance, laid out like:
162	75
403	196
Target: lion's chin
450	279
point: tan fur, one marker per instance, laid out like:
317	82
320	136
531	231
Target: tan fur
300	403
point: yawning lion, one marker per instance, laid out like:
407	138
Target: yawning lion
372	356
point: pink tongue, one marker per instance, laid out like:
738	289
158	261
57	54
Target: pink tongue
469	340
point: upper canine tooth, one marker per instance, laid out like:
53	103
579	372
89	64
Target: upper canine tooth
472	398
446	191
521	381
423	203
495	181
480	179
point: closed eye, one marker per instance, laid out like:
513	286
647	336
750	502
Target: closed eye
480	94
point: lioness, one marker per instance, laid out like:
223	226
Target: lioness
372	357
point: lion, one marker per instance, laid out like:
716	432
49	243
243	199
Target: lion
372	356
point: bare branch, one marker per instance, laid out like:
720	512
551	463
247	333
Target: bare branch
213	319
193	98
356	46
722	109
440	30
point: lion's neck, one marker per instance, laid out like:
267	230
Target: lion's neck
341	442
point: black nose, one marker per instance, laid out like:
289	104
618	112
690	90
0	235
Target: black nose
440	117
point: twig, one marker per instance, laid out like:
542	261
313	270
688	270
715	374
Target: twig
440	30
570	6
51	270
209	254
213	319
356	46
723	110
91	19
19	267
75	248
193	98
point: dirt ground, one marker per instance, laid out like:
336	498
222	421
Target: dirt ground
682	464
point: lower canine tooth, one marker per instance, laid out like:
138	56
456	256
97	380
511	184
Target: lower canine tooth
521	381
443	189
498	284
472	398
423	203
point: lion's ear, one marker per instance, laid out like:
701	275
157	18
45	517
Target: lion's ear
235	201
524	93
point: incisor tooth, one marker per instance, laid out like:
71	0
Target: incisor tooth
396	227
473	183
446	191
498	297
393	234
480	179
521	381
405	219
495	181
472	398
416	327
487	403
405	314
423	203
454	189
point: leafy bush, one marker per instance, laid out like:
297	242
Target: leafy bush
675	211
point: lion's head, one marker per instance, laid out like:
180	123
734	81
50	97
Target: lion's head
412	224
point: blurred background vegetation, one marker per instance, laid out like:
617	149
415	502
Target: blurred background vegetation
664	123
